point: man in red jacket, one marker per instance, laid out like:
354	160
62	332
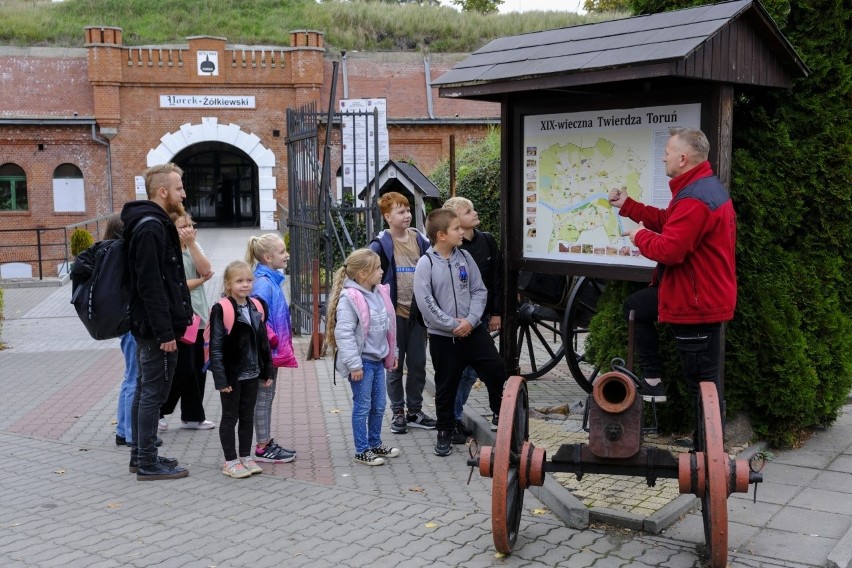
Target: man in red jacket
693	240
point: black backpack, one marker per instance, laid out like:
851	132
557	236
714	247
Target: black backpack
101	290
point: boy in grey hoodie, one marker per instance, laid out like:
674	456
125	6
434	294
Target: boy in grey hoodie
451	297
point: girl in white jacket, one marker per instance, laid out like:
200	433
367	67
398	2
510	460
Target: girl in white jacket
361	327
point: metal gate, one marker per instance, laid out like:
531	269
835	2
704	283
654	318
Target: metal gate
307	204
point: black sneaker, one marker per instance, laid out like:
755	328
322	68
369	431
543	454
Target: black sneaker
161	460
458	437
464	429
272	453
444	446
495	422
399	425
120	440
421	420
160	471
384	451
653	390
369	458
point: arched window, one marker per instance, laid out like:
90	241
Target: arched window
68	189
13	188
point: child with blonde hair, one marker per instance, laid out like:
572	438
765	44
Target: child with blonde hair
240	359
268	255
361	327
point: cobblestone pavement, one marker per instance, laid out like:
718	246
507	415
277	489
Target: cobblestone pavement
66	498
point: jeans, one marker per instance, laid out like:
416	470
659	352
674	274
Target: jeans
700	347
645	338
450	355
411	342
128	387
156	370
368	406
238	411
189	381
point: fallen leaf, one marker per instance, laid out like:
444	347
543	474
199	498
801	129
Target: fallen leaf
59	471
499	555
113	505
431	525
540	511
335	411
416	489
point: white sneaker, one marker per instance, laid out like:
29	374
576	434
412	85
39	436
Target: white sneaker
191	425
235	469
251	465
162	425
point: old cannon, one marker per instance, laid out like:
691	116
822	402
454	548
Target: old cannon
615	425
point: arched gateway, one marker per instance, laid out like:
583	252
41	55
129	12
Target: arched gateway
228	177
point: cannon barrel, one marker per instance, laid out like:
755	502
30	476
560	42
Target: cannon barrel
615	417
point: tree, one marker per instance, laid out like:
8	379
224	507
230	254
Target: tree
597	6
481	6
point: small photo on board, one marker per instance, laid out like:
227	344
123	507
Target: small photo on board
531	198
531	163
531	186
531	233
532	150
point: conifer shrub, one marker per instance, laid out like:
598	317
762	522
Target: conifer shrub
81	239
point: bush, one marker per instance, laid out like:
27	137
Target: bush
477	178
81	239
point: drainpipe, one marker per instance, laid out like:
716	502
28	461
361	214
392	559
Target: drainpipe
108	133
428	88
345	75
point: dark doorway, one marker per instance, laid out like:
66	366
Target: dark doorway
221	184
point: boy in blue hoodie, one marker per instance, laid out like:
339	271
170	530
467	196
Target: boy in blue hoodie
451	296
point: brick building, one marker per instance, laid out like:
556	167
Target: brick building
82	124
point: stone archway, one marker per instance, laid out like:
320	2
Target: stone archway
211	131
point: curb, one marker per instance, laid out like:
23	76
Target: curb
841	555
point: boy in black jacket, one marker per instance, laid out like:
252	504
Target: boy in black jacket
485	251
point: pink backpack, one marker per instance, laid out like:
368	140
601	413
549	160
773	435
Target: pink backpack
228	317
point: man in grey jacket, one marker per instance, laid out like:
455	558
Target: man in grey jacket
451	296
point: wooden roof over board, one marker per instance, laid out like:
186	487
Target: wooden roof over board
731	42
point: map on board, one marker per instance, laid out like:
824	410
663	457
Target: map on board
571	163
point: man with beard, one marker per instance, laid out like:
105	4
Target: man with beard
161	310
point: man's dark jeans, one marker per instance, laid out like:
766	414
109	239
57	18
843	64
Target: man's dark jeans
645	342
156	370
699	347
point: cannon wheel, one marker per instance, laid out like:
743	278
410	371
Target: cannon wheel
581	307
539	339
714	501
507	496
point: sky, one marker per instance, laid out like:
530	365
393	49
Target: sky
528	5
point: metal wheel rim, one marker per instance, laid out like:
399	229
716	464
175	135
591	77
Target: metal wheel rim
527	332
570	330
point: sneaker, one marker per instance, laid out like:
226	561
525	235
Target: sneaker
273	444
250	465
162	425
272	454
192	425
120	440
399	425
160	471
444	446
495	422
369	458
161	460
421	420
235	469
385	452
653	390
464	429
457	436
